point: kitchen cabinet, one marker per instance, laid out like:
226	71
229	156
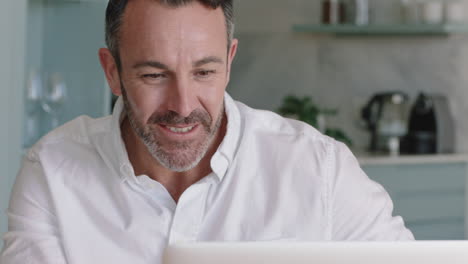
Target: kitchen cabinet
63	40
12	32
429	192
50	37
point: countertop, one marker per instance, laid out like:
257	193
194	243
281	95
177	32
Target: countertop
366	159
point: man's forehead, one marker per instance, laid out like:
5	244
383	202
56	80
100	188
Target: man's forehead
152	38
149	25
142	7
143	16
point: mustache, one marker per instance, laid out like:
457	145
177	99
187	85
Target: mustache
173	118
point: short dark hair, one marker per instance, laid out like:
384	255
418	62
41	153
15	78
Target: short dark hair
114	18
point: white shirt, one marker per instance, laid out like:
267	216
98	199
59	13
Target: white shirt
77	200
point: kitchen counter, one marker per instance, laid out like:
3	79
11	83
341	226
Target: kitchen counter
428	191
366	159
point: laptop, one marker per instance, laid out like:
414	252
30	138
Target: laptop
415	252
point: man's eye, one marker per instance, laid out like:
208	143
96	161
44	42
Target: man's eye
153	76
204	73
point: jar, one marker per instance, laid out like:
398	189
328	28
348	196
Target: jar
333	12
410	11
454	11
432	12
357	12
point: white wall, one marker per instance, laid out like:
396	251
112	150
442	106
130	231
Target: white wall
12	34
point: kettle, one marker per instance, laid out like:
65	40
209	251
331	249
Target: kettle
386	118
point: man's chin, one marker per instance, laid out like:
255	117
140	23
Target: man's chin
179	155
178	160
179	165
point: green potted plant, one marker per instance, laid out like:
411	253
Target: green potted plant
304	109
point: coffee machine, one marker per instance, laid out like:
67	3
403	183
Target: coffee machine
386	118
431	126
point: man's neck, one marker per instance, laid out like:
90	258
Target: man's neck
175	182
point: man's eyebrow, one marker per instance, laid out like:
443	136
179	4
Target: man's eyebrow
153	64
206	60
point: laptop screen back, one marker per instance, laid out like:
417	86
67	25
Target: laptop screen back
416	252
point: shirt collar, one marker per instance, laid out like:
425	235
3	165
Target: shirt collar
220	161
226	152
125	168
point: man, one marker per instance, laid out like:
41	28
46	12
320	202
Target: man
179	160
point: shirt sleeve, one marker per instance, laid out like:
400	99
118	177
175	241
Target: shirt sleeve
360	209
33	233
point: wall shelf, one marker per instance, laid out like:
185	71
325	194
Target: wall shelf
382	30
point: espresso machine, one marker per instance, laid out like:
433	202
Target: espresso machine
431	127
386	116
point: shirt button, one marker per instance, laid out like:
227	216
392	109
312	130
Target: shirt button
127	169
150	184
219	165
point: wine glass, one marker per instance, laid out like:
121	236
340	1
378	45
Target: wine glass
54	97
33	98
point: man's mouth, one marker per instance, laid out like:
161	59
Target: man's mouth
180	129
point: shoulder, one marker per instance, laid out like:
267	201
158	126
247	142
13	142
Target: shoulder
263	124
74	138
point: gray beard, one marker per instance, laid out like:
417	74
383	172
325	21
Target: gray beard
187	154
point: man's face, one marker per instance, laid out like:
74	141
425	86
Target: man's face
175	68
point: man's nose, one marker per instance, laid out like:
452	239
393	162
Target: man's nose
182	98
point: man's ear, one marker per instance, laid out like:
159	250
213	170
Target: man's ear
110	70
231	55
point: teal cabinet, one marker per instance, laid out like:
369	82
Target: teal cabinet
51	37
431	197
63	39
12	45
